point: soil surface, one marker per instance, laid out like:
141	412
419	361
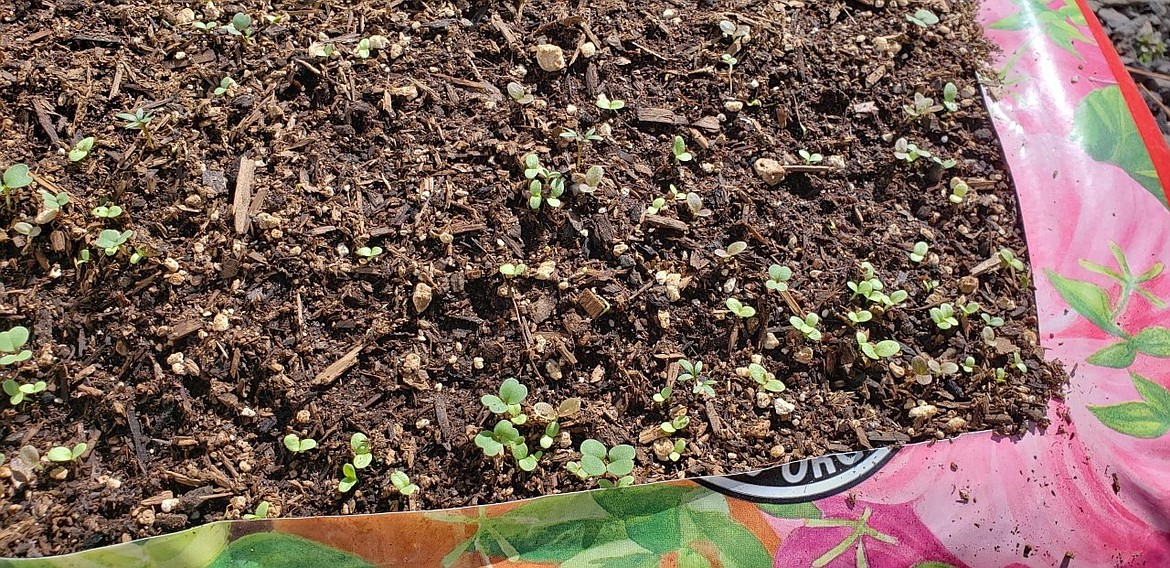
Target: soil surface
239	310
1140	30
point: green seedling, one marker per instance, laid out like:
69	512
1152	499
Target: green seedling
493	442
551	431
733	32
11	343
908	151
739	308
27	229
596	462
810	158
360	444
930	285
764	378
959	190
604	102
919	253
82	258
732	250
298	445
944	316
926	368
944	164
368	253
107	211
807	326
693	371
662	396
240	26
730	61
695	206
679	149
17	392
951	97
81	149
968	364
511	395
510	270
322	50
139	120
226	84
15	177
1018	363
922	106
680	446
402	483
261	512
1008	260
206	27
348	479
591	180
778	277
539	178
54	202
922	18
524	460
581	140
677	423
876	351
857	317
656	206
967	309
62	454
1001	375
1149	48
111	241
520	94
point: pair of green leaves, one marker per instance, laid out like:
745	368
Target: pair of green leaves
1147	418
17	392
596	461
511	395
11	342
505	435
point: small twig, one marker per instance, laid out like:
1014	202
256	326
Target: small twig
1153	74
1156	100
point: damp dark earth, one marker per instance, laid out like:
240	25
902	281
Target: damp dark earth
700	238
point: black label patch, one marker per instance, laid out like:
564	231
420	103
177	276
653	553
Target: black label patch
802	481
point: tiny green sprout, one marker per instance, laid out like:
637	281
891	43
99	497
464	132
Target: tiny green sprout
519	94
82	258
764	378
930	285
968	364
919	253
15	177
679	148
693	371
139	254
402	483
729	60
662	396
778	277
739	308
368	253
593	177
876	351
922	106
11	342
959	190
618	463
680	446
656	206
551	431
922	18
733	249
322	50
54	202
810	158
241	25
297	445
363	48
348	479
111	241
493	441
261	512
81	149
27	229
944	164
510	270
539	177
62	454
524	460
677	423
17	392
807	325
360	444
695	205
1001	375
1008	259
990	320
206	27
106	211
968	309
732	31
908	151
988	335
140	119
225	85
590	135
859	316
511	395
1018	363
944	316
951	97
604	102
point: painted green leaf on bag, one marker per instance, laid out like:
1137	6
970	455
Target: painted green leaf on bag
1153	341
1059	26
616	554
737	546
285	550
1117	356
793	511
1148	418
1103	126
1088	299
194	547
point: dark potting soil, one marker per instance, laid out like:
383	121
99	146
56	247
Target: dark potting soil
251	314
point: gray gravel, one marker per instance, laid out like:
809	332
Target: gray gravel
1132	24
